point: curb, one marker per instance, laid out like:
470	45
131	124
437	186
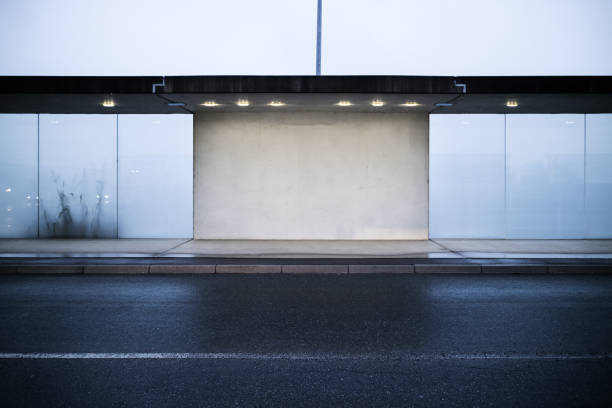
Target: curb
181	269
114	269
381	269
573	269
445	268
341	269
50	269
318	269
248	269
522	269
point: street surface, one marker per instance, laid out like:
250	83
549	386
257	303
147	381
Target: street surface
306	340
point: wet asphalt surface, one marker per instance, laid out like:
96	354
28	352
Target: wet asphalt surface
308	340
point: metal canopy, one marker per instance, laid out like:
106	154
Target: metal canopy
306	93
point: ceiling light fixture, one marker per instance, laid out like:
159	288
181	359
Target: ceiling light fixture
443	105
276	103
209	104
410	103
511	103
243	102
344	103
377	103
176	104
108	102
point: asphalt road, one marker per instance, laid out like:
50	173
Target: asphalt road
306	340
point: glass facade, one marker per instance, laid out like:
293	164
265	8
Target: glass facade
598	176
60	179
514	176
78	176
557	184
18	176
155	176
545	176
466	176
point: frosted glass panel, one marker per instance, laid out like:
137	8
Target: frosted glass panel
466	182
599	176
78	176
155	176
545	176
18	176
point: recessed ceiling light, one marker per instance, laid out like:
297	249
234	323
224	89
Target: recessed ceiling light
377	102
511	103
108	102
410	103
442	105
209	104
176	104
243	102
276	103
344	103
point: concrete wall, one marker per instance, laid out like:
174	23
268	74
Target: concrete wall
310	175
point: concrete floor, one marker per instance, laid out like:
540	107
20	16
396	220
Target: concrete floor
312	248
306	340
443	248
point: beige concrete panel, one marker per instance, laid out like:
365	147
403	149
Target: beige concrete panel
310	175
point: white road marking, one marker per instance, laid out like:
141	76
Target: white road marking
292	356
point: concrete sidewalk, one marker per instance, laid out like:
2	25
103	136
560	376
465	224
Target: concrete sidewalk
447	248
155	256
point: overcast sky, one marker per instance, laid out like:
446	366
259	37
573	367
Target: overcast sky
278	37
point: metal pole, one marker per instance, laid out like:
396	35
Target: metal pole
319	7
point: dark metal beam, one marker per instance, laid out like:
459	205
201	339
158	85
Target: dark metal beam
376	84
